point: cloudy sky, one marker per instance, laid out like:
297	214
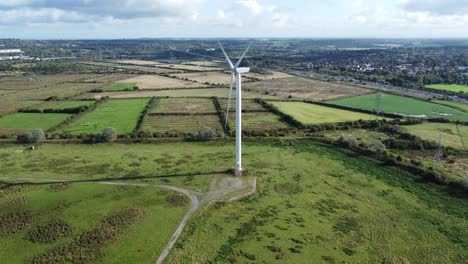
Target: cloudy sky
84	19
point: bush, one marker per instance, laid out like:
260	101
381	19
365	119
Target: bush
206	133
35	136
108	134
379	147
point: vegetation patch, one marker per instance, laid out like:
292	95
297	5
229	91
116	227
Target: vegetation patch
49	233
121	87
456	88
184	105
11	223
177	200
58	187
185	124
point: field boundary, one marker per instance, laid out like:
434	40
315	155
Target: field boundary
144	113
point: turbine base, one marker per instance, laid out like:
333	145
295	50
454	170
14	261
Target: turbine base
238	172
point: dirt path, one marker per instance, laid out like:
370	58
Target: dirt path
222	188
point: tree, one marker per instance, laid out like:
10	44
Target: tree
108	134
35	136
379	147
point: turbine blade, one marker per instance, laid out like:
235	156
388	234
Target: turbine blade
227	57
229	100
242	57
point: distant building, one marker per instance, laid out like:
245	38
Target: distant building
11	54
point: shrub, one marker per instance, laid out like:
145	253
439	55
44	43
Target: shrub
49	233
379	147
35	136
206	133
108	134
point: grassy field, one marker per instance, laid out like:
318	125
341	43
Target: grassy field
351	210
403	105
247	105
119	114
74	211
304	88
449	87
258	121
184	105
31	121
309	114
160	82
59	105
116	87
463	107
216	92
180	124
452	135
206	77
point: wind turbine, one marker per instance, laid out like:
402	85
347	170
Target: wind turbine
236	72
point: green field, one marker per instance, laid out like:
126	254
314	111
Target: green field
117	87
309	114
119	114
59	105
314	203
403	105
81	208
261	121
31	121
452	135
460	106
449	87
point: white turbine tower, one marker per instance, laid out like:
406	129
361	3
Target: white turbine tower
236	70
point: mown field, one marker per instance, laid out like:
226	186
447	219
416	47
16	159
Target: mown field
309	114
91	223
180	124
31	121
403	105
351	210
119	114
455	136
304	88
184	105
449	87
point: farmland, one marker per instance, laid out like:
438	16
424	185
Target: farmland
452	135
31	121
159	82
184	105
180	124
403	105
317	212
304	88
460	106
119	114
272	75
247	105
258	122
205	77
120	87
449	87
60	105
309	114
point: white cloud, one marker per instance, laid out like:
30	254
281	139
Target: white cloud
436	7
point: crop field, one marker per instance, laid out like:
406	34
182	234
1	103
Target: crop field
139	62
109	78
460	106
190	67
258	122
449	87
93	222
160	82
303	88
315	212
206	77
31	121
184	105
60	105
120	87
207	92
273	75
403	105
455	136
119	114
41	81
247	105
180	124
204	63
309	114
149	69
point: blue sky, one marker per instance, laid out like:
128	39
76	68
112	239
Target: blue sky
59	19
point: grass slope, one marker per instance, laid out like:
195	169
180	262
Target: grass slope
449	87
451	135
122	115
314	204
31	121
403	105
315	114
83	207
